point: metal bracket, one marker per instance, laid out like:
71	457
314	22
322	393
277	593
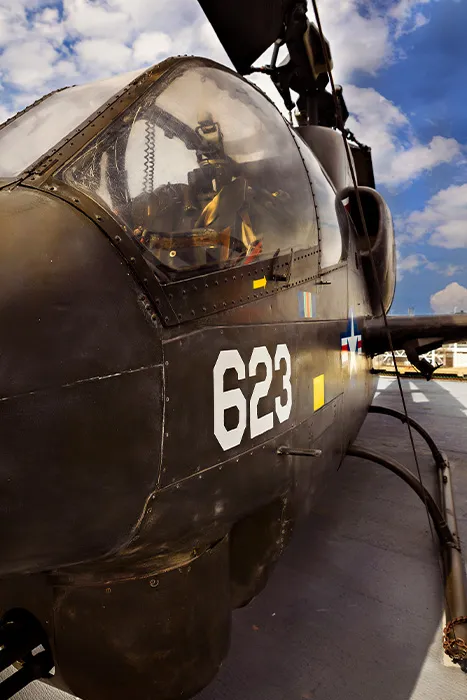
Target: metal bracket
298	452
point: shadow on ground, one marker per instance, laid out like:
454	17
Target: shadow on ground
354	608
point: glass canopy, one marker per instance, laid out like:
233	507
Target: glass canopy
37	130
202	171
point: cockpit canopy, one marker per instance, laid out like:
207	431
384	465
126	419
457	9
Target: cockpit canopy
42	125
201	170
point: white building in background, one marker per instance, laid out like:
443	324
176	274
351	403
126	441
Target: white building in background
452	356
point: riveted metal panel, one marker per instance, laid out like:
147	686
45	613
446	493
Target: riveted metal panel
77	464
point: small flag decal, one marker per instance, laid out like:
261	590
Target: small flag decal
305	304
351	344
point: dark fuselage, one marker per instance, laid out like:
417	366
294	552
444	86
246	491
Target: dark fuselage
140	422
110	464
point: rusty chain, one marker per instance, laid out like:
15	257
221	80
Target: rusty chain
454	647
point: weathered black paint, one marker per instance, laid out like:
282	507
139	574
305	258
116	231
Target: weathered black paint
118	501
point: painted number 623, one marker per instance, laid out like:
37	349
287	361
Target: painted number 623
223	400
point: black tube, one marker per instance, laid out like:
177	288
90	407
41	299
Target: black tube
455	579
442	530
437	454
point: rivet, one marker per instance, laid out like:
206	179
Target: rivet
167	398
153	583
117	239
98	216
108	590
166	363
132	260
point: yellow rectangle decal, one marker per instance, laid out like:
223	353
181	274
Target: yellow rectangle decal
318	392
257	284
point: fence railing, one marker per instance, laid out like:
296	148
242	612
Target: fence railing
452	356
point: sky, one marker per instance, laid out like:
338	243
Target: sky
403	66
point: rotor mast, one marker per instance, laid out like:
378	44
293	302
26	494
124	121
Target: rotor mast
304	71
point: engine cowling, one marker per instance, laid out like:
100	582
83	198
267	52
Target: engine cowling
380	230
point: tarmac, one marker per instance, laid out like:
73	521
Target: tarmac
354	609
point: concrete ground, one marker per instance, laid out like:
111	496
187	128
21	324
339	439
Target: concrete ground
354	609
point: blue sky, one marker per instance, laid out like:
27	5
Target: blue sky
403	64
429	85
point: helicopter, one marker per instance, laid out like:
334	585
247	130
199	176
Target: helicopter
193	289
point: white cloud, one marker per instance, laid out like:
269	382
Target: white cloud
451	299
408	18
88	39
49	26
397	155
357	42
5	114
443	220
403	10
96	20
410	163
98	56
415	262
412	262
150	45
26	69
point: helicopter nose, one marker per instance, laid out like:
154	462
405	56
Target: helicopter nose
80	388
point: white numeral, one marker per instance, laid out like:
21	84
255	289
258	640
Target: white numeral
228	359
282	353
234	398
259	425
